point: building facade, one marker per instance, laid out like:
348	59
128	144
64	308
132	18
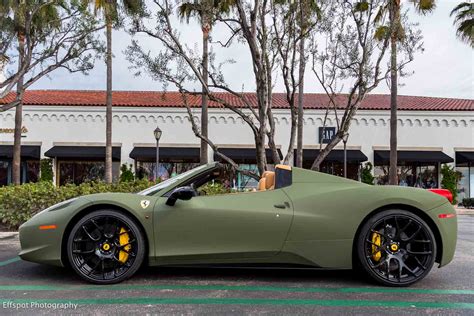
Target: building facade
69	128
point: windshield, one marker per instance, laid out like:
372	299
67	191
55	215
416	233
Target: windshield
170	181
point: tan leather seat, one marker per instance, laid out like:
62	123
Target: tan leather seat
262	184
267	182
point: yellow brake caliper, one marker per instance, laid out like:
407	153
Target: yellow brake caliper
124	240
376	242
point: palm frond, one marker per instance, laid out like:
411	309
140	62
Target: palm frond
381	33
189	9
462	7
133	7
424	6
381	13
208	8
361	6
464	22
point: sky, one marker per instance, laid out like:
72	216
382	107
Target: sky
444	69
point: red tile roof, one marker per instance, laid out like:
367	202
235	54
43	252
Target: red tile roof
173	99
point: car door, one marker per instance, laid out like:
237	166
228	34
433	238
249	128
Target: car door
236	225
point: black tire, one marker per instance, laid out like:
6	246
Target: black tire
396	248
105	247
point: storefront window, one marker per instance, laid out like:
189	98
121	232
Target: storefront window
425	177
32	171
77	172
336	168
4	172
466	184
243	182
29	171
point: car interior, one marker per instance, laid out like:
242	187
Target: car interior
222	176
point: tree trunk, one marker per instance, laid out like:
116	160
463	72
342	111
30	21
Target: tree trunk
394	18
299	140
326	150
16	172
204	98
261	154
108	113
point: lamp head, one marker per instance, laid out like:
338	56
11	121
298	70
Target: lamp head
157	132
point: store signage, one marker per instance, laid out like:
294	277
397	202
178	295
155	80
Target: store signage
24	130
326	134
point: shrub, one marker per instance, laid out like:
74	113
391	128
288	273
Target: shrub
20	203
468	203
366	174
126	173
214	189
46	170
450	180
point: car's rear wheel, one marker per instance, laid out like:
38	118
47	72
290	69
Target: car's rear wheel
105	247
396	248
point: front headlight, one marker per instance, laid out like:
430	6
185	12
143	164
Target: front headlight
57	206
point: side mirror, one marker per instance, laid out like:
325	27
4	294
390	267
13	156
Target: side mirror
182	193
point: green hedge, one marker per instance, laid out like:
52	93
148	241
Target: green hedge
468	203
20	203
450	180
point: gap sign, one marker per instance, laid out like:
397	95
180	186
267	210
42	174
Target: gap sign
326	134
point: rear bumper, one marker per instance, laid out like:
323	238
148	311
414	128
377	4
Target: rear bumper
448	231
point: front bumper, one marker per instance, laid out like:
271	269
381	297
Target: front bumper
448	231
42	246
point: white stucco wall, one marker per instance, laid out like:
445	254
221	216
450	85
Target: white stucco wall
59	124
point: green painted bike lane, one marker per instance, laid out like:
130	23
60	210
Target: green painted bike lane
242	301
223	287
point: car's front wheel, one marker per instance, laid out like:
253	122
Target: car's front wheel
105	247
396	248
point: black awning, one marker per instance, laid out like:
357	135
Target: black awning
335	155
27	151
167	154
245	155
464	157
382	157
82	152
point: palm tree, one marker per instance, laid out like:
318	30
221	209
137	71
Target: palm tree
110	10
206	12
464	21
15	15
396	33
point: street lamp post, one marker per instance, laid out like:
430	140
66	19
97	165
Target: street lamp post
157	132
344	140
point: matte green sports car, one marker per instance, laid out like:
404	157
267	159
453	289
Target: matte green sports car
296	218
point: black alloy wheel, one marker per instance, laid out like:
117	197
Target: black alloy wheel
105	247
396	248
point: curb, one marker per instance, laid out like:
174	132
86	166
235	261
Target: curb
8	235
465	211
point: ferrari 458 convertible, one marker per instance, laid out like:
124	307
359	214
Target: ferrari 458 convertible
296	218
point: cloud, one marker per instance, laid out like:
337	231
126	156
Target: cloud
445	69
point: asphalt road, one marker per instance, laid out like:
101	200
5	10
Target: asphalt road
27	288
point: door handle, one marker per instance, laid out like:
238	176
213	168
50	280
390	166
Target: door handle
280	205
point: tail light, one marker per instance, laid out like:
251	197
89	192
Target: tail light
443	192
